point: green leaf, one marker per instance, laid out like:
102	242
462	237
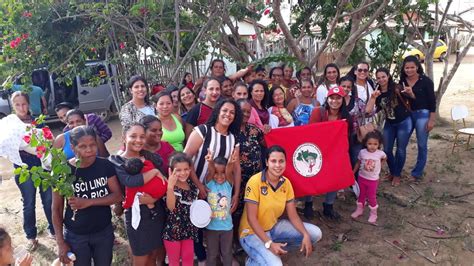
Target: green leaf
37	182
24	177
17	170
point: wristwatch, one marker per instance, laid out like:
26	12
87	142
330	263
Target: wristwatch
268	244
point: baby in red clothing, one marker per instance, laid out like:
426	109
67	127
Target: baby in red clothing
156	187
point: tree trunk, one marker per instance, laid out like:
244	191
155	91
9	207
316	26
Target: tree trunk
177	34
447	79
356	32
290	40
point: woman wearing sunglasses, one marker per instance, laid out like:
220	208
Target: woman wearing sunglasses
365	86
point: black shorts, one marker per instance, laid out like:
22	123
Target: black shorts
149	234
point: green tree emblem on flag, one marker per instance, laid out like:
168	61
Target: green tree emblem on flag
307	157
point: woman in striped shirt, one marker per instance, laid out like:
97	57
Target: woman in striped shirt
218	136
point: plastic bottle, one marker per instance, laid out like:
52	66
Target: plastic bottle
70	255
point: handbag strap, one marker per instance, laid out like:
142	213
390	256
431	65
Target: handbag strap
399	96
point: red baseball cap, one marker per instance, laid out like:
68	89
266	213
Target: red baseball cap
337	90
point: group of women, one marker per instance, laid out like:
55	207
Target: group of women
156	127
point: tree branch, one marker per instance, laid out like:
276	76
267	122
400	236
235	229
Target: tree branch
349	44
65	62
355	11
258	33
177	30
286	32
197	40
431	50
235	33
452	71
465	11
315	59
423	45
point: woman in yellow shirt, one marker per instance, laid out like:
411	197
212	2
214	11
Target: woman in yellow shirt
264	236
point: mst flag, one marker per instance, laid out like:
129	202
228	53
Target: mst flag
317	156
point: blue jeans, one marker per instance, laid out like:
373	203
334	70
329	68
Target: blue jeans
97	246
330	198
401	133
28	195
420	120
282	232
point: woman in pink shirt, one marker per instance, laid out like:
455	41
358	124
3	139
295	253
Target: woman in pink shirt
241	92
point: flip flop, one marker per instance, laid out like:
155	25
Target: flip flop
32	245
388	178
395	181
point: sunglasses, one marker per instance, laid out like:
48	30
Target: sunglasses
362	70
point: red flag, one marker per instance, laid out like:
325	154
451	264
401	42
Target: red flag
317	156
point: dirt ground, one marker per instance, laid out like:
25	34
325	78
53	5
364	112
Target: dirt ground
419	224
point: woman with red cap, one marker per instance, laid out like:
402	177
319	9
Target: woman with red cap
333	109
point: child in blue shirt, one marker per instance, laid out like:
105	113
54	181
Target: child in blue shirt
219	232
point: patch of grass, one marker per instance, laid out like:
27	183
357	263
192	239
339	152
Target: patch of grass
336	246
430	199
42	227
436	136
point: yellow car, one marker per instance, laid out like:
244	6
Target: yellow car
440	51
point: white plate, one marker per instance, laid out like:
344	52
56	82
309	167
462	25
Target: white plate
200	213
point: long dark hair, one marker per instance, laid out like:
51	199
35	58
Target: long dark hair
183	82
234	127
182	108
325	81
160	94
391	86
412	59
273	70
344	113
147	120
215	61
351	73
354	88
265	91
270	95
179	157
153	157
136	78
298	73
354	94
4	237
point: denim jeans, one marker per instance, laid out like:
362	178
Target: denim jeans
329	198
420	120
401	133
354	149
28	195
96	246
282	232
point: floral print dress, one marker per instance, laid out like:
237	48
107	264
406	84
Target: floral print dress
250	139
178	224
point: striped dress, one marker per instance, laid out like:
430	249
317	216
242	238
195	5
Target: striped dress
220	145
